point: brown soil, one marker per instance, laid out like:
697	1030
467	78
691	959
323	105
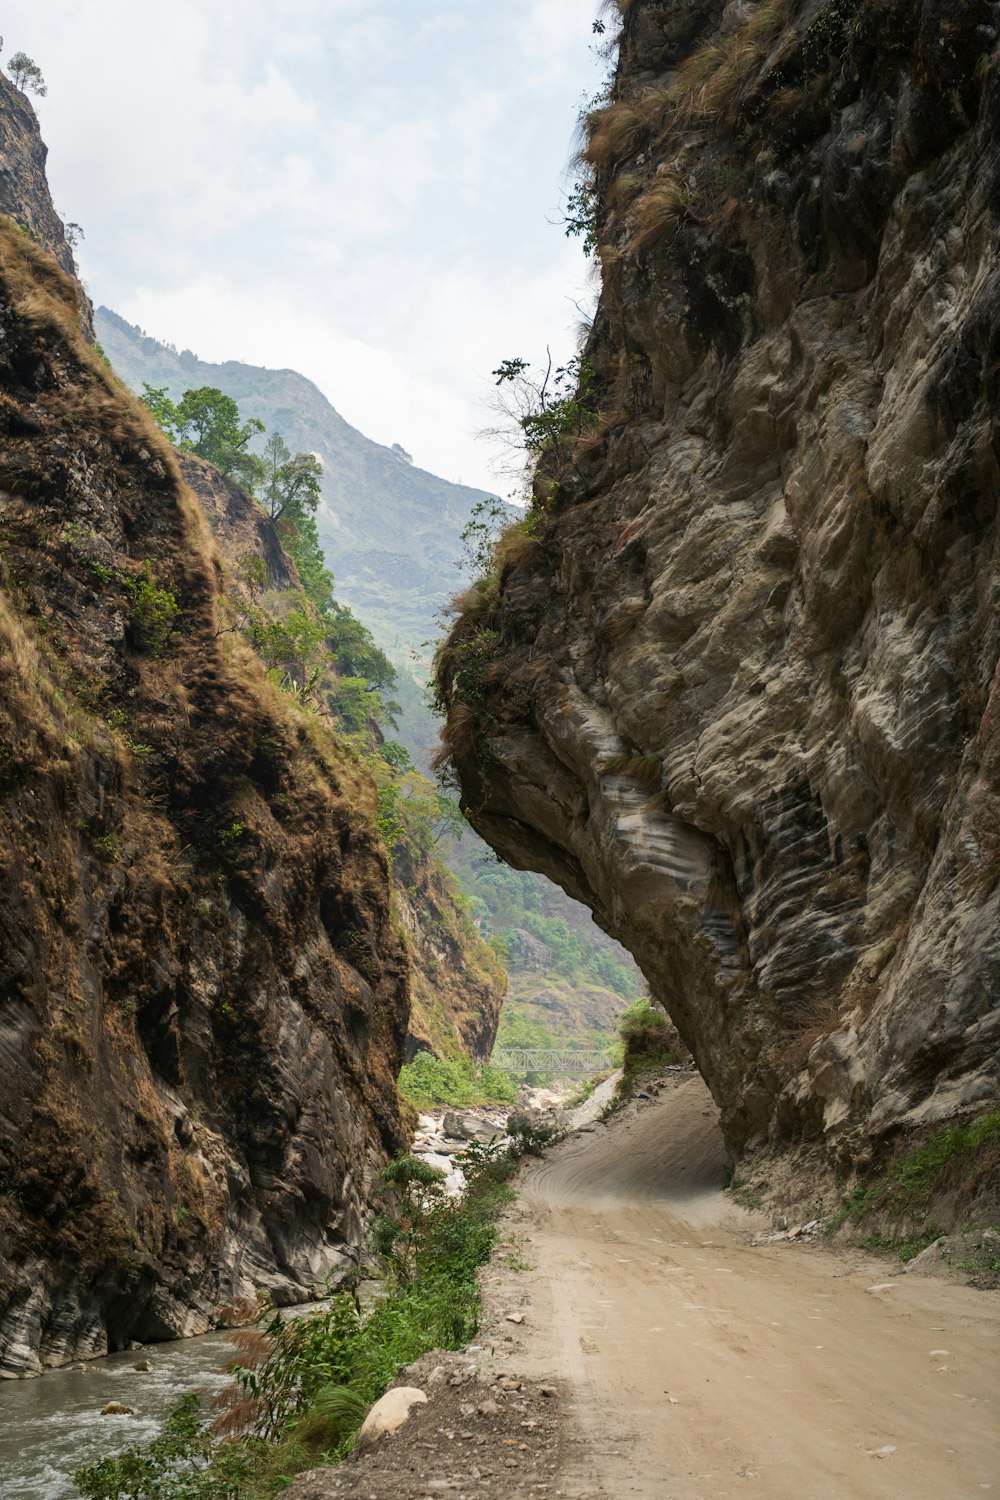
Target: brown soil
688	1362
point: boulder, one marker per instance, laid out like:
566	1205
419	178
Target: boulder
390	1413
468	1127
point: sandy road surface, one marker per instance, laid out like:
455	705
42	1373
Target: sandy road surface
699	1367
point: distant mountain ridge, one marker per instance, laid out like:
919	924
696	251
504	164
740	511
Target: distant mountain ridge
391	531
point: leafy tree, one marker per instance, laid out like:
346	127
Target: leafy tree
161	408
428	814
355	704
303	546
290	486
396	756
252	570
26	75
293	649
580	218
351	644
354	648
207	423
487	520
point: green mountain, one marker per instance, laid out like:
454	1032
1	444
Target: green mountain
391	531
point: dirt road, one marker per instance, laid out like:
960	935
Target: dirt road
698	1367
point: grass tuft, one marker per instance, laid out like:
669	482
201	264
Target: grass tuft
657	213
612	134
954	1166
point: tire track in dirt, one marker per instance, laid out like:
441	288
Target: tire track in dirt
699	1367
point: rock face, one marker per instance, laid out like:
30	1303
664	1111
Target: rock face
738	688
24	190
203	999
457	983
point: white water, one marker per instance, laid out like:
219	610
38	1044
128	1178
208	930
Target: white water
51	1426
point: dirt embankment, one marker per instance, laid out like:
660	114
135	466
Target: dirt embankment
681	1360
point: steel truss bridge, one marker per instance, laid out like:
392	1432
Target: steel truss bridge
564	1061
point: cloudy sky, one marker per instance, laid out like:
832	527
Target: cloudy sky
363	190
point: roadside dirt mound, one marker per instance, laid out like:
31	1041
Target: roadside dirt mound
479	1435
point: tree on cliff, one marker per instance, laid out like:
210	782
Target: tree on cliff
207	423
26	75
543	411
290	486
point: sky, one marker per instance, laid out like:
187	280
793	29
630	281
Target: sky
368	193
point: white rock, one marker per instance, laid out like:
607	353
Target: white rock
390	1413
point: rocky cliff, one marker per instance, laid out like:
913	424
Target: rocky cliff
203	996
24	189
734	684
457	985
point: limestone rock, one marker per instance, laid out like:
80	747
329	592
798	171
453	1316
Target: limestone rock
738	689
390	1413
470	1127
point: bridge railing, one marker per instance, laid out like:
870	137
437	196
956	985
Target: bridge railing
565	1061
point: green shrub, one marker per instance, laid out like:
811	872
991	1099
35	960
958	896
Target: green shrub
153	609
649	1041
429	1080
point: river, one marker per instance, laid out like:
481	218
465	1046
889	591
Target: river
52	1425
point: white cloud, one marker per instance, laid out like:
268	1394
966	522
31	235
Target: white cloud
354	188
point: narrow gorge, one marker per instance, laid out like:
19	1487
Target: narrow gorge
733	681
719	698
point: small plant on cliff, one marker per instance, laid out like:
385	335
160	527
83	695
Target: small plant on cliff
26	75
479	536
473	658
953	1164
293	649
544	410
580	217
649	1041
154	609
